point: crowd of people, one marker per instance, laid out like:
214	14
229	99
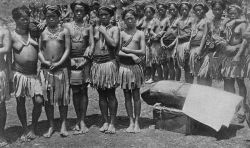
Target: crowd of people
55	53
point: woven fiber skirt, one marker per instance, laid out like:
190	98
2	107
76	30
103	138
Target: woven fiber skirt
247	67
233	69
104	75
131	76
56	86
4	86
193	62
182	53
26	85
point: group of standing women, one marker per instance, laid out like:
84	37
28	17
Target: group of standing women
208	39
94	49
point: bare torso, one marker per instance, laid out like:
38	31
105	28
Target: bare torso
235	37
101	48
135	43
53	45
197	32
25	51
79	38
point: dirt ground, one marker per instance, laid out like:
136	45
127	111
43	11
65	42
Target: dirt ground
236	136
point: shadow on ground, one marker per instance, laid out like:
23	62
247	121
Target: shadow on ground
14	133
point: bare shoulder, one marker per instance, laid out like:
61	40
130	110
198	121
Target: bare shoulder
67	25
65	30
115	29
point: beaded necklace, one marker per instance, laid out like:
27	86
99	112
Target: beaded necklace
53	33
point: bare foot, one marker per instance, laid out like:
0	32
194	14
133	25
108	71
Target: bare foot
64	132
111	129
130	129
83	129
24	138
137	128
104	127
49	133
31	135
77	127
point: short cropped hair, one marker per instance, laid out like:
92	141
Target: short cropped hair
20	11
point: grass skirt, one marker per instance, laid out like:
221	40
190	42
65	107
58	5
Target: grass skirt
56	87
156	54
233	69
104	75
26	85
4	86
247	67
193	62
182	53
211	67
80	76
130	76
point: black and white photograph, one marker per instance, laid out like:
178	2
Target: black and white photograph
124	73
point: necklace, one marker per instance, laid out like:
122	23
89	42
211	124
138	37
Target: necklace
78	28
53	33
20	38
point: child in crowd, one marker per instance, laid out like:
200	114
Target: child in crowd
131	75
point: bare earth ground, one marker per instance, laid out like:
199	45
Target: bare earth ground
236	136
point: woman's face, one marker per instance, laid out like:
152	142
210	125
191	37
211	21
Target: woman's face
173	10
217	10
184	10
130	19
233	13
149	13
199	11
104	16
52	19
139	11
161	10
79	12
23	22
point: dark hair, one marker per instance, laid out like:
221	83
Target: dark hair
108	9
84	5
237	7
189	5
54	9
20	11
221	3
150	7
204	6
129	10
159	4
172	3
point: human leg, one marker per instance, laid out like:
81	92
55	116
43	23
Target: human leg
63	109
171	69
112	105
137	108
3	115
77	95
49	109
129	109
37	109
83	110
103	103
